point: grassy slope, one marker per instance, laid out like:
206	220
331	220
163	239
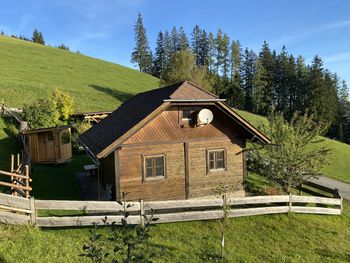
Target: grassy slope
340	165
29	71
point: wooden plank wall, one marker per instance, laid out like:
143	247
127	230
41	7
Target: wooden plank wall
203	182
133	182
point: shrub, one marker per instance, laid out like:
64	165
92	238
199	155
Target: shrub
54	111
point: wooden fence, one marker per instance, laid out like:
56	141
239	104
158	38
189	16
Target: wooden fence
19	177
18	210
313	188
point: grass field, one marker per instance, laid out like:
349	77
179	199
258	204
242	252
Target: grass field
29	71
271	238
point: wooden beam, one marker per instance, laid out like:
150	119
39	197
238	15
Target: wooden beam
104	206
25	188
187	178
117	175
14	201
66	221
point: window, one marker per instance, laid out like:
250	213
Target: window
50	136
186	115
216	159
154	166
65	138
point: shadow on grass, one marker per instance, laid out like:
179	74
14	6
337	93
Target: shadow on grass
118	95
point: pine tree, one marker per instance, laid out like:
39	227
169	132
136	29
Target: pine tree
141	55
247	73
225	56
316	87
211	53
281	84
268	61
218	52
183	39
159	62
235	96
302	93
38	37
175	41
204	49
259	88
196	42
168	52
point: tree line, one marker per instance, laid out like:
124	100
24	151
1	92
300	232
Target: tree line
256	82
37	37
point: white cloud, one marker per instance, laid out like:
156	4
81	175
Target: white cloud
337	57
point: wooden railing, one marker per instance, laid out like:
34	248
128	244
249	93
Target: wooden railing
313	188
19	182
17	210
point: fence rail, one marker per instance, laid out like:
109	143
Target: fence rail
18	210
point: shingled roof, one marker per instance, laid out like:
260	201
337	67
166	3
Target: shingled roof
112	129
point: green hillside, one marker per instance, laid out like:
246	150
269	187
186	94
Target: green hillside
339	167
29	71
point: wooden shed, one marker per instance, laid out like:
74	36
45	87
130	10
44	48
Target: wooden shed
49	145
175	142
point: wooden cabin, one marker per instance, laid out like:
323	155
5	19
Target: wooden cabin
175	142
50	145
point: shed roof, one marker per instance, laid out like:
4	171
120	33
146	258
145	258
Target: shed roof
50	129
110	132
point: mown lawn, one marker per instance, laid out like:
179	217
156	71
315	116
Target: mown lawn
29	71
270	238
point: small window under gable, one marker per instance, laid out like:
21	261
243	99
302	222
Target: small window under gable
186	115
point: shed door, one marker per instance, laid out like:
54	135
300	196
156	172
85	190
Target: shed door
50	146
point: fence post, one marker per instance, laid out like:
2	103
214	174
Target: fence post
12	169
142	214
32	208
18	160
290	202
27	180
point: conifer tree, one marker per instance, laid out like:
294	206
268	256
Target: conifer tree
248	69
183	39
204	49
175	41
267	59
38	37
259	89
168	52
235	94
301	86
211	53
225	56
159	62
196	43
141	55
218	52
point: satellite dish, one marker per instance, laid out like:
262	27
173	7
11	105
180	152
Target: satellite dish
205	116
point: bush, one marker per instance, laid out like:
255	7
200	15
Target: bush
51	112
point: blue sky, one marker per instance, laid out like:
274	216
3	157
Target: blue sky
104	28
